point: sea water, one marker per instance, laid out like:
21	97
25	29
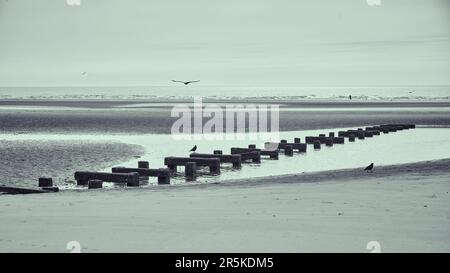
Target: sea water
399	147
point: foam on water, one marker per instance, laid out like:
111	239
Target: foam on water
229	92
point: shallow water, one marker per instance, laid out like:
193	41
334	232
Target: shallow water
394	148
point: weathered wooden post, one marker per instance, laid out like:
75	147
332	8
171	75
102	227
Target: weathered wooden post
331	134
297	140
95	184
133	182
283	141
288	150
45	182
218	152
328	141
190	171
252	146
360	134
351	138
322	135
164	180
338	140
316	145
368	134
143	165
215	169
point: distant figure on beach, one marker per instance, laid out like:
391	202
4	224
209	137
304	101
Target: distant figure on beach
369	168
193	149
350	97
185	83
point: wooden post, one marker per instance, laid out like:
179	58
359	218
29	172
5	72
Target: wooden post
316	145
163	180
45	182
133	182
143	165
252	146
288	150
283	141
190	171
212	163
95	184
351	138
131	178
218	152
297	140
331	134
360	134
329	142
322	135
338	140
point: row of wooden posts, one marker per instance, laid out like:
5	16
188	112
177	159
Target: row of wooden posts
132	177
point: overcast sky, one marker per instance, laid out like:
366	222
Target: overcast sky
224	42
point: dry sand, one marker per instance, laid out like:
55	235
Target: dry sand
403	207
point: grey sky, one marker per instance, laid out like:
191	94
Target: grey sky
232	42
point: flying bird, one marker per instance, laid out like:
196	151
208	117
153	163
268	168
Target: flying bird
185	83
193	149
369	168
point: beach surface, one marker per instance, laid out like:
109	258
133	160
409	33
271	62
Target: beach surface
402	207
150	116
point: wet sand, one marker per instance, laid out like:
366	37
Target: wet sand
122	117
24	161
403	207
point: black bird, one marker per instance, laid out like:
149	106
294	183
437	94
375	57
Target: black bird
369	168
185	83
193	149
350	97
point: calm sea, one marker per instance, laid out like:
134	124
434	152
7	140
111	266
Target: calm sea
215	92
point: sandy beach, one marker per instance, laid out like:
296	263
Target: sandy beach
129	116
403	207
240	126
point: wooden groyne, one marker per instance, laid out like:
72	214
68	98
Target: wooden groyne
132	177
273	154
213	163
162	174
235	159
247	154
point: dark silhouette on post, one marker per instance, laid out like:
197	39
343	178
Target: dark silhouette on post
369	168
193	149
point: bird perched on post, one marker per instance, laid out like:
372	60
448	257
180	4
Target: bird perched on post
369	168
193	149
185	83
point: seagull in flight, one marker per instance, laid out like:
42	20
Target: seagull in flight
185	83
